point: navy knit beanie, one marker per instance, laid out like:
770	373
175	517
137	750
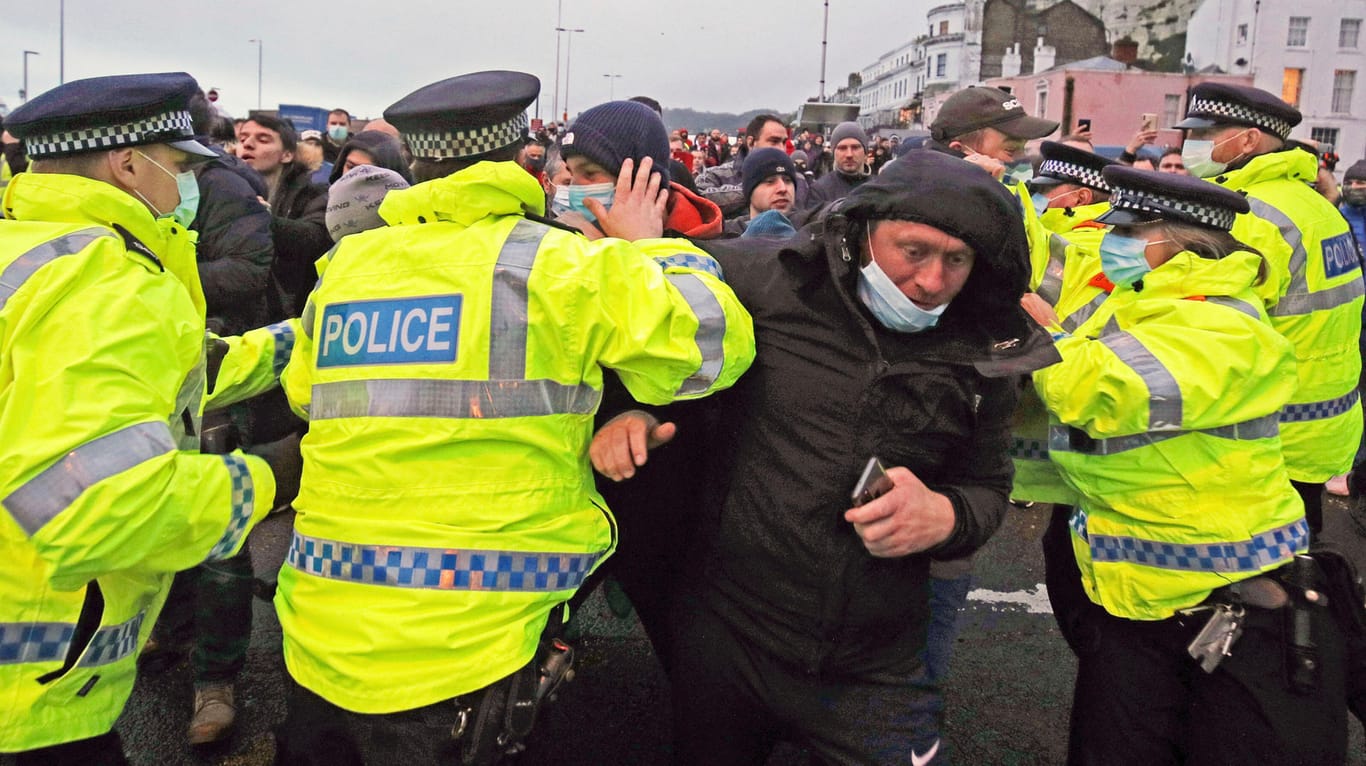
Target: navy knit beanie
763	163
610	133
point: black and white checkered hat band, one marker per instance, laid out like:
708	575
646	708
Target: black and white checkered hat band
1164	207
466	143
1225	110
168	126
1073	172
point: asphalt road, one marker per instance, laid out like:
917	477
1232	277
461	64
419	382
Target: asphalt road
1008	695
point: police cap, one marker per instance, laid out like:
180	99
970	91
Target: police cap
103	113
1143	196
1213	104
465	116
1063	164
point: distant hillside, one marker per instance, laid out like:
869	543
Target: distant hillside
696	121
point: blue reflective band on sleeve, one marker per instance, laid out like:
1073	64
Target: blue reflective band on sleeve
402	331
1331	408
50	642
243	505
283	333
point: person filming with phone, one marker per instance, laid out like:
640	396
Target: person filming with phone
890	326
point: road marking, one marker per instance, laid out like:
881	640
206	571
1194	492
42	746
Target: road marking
1034	601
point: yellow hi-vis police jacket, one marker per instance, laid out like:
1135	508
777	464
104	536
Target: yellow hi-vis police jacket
104	494
1166	407
450	367
1314	298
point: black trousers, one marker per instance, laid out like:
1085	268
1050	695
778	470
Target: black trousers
1141	699
104	750
733	702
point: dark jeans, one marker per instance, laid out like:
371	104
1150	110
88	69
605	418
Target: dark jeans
210	606
732	702
104	750
1312	495
1140	698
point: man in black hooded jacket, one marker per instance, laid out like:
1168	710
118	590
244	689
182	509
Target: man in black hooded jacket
890	326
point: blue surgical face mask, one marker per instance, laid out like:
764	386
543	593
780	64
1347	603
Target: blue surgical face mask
603	192
187	185
1040	201
338	133
1122	258
892	308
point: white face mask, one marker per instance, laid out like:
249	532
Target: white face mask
1198	157
889	305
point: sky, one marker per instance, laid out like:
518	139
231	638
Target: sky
710	55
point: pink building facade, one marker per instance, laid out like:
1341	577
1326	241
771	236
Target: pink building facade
1114	98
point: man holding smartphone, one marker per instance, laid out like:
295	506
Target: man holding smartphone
889	326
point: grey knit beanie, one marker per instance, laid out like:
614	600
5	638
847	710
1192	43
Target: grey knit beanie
353	201
848	130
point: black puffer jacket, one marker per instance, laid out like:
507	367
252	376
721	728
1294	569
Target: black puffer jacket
299	226
831	387
235	249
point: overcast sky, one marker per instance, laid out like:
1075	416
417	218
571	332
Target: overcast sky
711	55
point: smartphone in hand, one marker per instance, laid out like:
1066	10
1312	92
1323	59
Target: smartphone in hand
872	484
1149	121
1083	125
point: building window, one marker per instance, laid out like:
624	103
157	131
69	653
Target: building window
1299	32
1171	109
1324	136
1290	86
943	27
1041	101
1344	82
941	64
1242	34
1348	33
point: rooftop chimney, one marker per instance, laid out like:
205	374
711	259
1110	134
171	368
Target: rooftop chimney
1125	49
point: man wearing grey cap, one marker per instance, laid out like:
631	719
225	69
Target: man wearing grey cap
450	364
105	494
1236	136
850	145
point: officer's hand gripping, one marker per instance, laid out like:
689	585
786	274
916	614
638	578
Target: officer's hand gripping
624	442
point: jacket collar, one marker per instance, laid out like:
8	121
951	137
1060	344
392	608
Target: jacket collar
1293	164
466	196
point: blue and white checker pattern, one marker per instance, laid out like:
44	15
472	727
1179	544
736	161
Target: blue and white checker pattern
283	333
1162	205
449	144
1331	408
1224	111
1071	171
160	127
692	261
50	642
113	643
440	568
1262	551
243	505
34	642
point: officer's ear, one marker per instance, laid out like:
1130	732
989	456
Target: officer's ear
1085	196
122	170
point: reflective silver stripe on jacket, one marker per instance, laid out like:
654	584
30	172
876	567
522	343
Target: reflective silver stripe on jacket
711	332
1329	408
1298	300
440	568
1074	320
283	333
1063	438
243	506
1164	395
20	269
41	498
436	398
1234	303
1050	287
508	317
50	642
189	401
1261	551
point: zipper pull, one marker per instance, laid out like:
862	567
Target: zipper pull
844	251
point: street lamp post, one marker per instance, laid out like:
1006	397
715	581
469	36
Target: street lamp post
61	42
259	61
611	86
568	54
23	97
559	27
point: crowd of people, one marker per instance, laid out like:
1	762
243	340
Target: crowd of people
779	389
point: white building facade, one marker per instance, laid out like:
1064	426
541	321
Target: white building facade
1310	52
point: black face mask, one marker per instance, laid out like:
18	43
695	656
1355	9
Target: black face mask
535	163
1355	197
